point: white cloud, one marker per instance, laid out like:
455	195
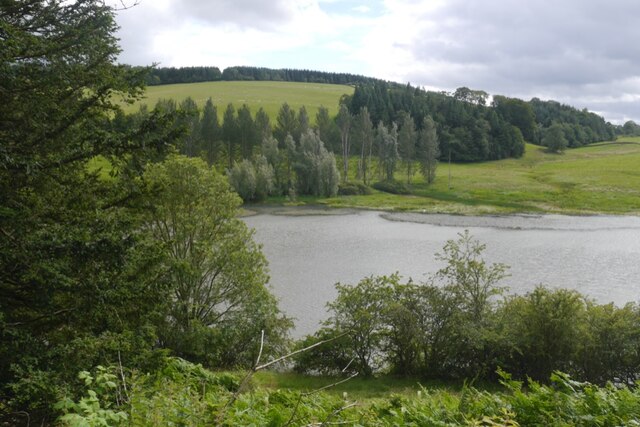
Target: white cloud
581	53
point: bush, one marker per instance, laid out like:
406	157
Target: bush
252	181
242	177
393	187
353	189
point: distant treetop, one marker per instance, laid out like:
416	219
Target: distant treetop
170	75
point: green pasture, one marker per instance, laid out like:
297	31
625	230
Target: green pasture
268	95
601	178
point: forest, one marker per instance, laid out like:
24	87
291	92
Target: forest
134	294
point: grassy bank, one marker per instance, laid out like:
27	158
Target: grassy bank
601	178
268	95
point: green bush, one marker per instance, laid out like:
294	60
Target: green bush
393	187
353	189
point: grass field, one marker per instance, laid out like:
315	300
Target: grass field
268	95
601	178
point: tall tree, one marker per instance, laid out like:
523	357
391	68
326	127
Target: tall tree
303	120
210	132
316	170
190	120
429	150
327	130
365	134
517	112
554	139
407	142
230	132
217	273
263	125
77	275
247	132
388	149
286	124
343	120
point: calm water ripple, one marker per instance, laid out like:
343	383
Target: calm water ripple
596	255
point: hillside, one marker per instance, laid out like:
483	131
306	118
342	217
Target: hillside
600	178
265	94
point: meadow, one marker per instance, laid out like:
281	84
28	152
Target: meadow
268	95
597	179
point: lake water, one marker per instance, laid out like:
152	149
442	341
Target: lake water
308	252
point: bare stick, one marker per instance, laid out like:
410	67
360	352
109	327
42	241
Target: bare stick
286	356
257	367
261	346
336	412
309	393
124	381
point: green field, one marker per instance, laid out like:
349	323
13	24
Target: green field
268	95
601	178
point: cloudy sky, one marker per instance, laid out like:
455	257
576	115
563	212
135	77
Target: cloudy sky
585	53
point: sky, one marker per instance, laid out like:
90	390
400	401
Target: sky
585	53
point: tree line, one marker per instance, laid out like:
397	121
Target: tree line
293	156
474	130
468	130
462	324
173	75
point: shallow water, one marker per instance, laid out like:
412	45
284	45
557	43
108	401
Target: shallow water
309	252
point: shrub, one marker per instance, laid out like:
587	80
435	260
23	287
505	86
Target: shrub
353	189
242	178
393	187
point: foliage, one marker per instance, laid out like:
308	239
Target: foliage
387	140
363	136
393	187
467	129
242	178
468	275
457	326
253	181
172	75
315	167
428	150
407	139
352	189
78	274
192	397
216	273
585	127
554	139
518	113
96	408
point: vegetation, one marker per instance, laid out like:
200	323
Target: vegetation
460	324
215	274
106	275
596	179
170	75
186	394
102	271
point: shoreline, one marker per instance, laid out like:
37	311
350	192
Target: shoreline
510	221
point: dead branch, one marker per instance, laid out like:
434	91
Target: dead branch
257	368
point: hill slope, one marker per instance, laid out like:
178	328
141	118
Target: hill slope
268	95
600	178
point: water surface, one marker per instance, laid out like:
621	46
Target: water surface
309	252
